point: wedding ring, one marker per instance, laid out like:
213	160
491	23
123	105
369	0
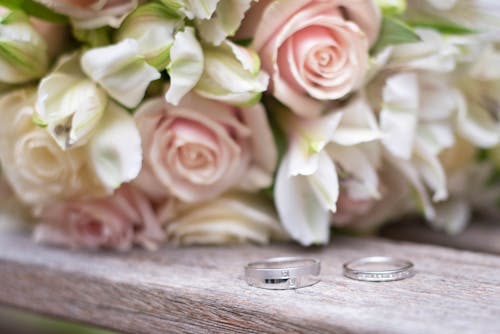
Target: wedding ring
378	269
283	273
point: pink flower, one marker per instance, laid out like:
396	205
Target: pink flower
201	148
315	50
116	222
90	14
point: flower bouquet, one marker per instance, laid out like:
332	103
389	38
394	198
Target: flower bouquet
127	122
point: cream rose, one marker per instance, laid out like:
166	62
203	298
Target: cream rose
37	169
90	14
315	50
117	222
201	148
232	218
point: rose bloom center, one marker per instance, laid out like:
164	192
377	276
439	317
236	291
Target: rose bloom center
195	156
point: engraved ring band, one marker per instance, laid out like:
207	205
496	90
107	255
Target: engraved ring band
378	269
283	273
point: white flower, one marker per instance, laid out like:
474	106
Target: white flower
186	65
473	14
120	70
416	116
224	21
38	170
23	54
227	73
232	74
215	20
70	104
434	52
479	113
115	149
231	218
153	27
42	173
308	179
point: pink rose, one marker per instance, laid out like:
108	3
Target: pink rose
115	222
201	148
90	14
315	50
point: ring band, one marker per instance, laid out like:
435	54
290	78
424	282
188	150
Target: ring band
283	273
378	269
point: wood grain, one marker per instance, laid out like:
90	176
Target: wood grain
480	236
201	290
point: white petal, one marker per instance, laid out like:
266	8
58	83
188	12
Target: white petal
153	27
121	71
358	124
452	216
429	166
186	67
115	149
309	138
408	170
202	9
398	118
300	211
232	74
362	179
325	183
475	124
433	53
225	22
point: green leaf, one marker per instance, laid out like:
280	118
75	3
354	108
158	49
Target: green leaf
35	9
444	27
394	32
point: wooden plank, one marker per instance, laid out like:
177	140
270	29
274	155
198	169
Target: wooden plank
480	236
201	290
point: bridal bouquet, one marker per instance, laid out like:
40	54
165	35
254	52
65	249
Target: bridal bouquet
127	122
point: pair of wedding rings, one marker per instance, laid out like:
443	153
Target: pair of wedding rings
283	273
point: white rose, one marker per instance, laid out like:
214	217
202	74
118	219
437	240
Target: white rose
38	170
232	218
42	173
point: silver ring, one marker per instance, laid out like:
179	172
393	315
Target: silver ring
378	269
283	273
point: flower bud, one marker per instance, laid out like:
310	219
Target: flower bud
23	50
69	103
152	25
232	74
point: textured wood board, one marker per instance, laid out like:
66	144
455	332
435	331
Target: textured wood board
201	290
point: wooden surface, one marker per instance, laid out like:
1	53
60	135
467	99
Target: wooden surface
201	290
480	236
